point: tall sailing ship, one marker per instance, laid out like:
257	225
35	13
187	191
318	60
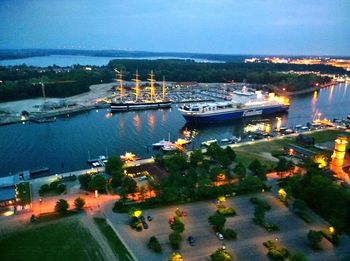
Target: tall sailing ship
140	103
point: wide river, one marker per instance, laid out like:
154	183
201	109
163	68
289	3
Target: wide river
66	144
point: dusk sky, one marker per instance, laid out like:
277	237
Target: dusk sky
312	27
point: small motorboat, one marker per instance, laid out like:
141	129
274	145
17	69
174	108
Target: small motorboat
208	142
159	144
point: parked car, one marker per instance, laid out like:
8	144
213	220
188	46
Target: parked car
145	225
191	240
149	218
219	235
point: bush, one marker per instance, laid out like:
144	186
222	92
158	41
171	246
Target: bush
278	253
136	224
269	244
298	257
262	203
54	185
61	188
229	234
270	227
118	206
177	225
154	245
84	181
217	221
221	255
226	211
303	215
175	239
79	203
275	252
62	206
314	238
44	189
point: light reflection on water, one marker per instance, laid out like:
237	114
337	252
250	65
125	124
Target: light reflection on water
67	141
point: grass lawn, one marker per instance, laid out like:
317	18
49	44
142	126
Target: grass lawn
65	239
113	240
247	153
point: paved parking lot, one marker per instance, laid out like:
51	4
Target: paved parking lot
248	245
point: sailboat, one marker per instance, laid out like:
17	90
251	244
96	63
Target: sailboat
139	103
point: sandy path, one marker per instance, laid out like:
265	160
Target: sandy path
90	225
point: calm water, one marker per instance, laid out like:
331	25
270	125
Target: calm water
66	144
68	60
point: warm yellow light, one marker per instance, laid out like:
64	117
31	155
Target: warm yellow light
321	160
175	257
221	199
137	213
282	194
331	230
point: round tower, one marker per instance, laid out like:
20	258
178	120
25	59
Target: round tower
338	155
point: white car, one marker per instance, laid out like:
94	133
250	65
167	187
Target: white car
219	235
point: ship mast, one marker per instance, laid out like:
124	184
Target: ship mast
119	75
137	87
164	88
152	81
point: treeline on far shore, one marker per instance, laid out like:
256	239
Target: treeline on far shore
256	73
23	82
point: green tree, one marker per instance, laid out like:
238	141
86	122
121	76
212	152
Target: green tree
283	165
250	184
84	181
154	245
217	221
79	203
229	234
175	239
230	153
196	157
258	169
221	255
129	186
177	225
62	206
298	257
98	182
314	238
240	170
114	168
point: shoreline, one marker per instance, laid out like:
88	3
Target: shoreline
305	91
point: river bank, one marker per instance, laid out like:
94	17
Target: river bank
305	91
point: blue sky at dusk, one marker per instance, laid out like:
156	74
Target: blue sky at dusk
203	26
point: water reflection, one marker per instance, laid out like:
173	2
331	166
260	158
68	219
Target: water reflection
137	122
151	121
314	101
330	96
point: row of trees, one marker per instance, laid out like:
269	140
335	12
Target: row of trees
22	82
62	205
263	73
321	194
